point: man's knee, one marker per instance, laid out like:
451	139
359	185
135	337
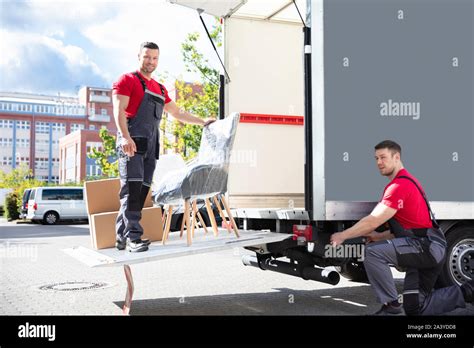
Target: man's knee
374	250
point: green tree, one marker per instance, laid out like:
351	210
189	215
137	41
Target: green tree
19	179
205	104
106	158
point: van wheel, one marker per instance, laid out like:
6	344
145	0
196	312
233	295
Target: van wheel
50	218
459	264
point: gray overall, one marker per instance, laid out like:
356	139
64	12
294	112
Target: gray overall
136	172
422	253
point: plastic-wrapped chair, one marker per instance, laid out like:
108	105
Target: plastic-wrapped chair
203	178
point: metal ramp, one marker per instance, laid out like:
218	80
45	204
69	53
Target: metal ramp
174	247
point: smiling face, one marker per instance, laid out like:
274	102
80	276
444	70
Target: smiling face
387	161
148	60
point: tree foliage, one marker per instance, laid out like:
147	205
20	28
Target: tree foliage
205	104
106	158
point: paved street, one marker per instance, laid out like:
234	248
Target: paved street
208	284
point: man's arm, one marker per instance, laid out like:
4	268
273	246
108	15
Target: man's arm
184	116
120	103
366	225
375	236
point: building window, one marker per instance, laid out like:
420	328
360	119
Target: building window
93	145
103	111
41	163
6	142
23	160
23	142
77	126
59	127
91	127
6	161
23	124
93	170
6	124
42	127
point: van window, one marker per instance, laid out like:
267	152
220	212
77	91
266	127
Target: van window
63	194
73	194
51	195
32	194
26	196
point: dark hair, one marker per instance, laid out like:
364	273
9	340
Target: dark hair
391	145
150	45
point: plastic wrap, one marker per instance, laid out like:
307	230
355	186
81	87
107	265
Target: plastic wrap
207	175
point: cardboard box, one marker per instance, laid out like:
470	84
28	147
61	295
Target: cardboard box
103	227
103	196
102	201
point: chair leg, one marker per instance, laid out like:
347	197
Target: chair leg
221	213
211	217
187	210
183	222
168	224
231	218
193	217
201	221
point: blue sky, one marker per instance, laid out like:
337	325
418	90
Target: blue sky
57	46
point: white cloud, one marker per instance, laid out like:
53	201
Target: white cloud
144	20
29	59
90	41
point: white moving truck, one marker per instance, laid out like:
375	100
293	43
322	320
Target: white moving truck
316	97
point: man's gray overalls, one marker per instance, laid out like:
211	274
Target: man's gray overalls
422	253
136	172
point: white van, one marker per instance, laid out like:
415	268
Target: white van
49	204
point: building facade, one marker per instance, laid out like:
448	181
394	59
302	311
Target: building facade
31	126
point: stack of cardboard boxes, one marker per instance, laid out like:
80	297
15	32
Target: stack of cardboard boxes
103	204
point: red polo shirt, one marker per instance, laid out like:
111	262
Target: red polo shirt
401	194
130	86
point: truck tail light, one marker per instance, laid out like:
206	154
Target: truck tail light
303	233
26	205
35	206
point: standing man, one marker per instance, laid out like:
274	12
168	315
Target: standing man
139	102
414	241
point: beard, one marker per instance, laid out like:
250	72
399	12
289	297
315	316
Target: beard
148	69
387	173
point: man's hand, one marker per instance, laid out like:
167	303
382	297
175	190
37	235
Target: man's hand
337	238
128	146
375	236
208	121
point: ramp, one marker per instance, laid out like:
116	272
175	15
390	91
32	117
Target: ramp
174	247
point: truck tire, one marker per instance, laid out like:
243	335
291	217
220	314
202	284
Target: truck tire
459	264
354	271
50	218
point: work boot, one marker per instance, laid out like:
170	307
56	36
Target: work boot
468	291
120	244
391	308
137	245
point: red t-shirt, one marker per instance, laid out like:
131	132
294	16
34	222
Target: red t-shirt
130	86
401	194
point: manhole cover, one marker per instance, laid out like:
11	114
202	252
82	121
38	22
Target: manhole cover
74	286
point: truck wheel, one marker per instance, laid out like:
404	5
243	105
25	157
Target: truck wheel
50	218
354	271
459	265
